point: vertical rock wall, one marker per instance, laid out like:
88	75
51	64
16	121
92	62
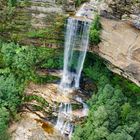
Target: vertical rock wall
34	22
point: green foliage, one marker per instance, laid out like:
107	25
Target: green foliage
36	98
9	92
12	2
55	31
10	100
128	86
4	118
95	36
38	33
20	59
18	67
79	2
15	24
126	109
114	111
45	79
95	31
14	21
50	58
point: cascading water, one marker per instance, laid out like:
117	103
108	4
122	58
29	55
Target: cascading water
85	107
64	118
76	44
76	39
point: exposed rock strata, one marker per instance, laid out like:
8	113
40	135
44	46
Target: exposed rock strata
36	22
121	9
121	47
35	123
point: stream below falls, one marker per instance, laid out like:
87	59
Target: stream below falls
76	45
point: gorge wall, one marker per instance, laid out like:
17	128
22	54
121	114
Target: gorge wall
120	46
121	10
121	37
35	22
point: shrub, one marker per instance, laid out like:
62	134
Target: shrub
18	64
15	71
95	31
95	36
12	2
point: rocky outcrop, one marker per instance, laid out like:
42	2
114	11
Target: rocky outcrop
117	8
31	127
120	40
41	23
121	9
39	111
135	19
69	6
120	46
128	10
34	22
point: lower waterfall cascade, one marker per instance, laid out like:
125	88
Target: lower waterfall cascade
76	45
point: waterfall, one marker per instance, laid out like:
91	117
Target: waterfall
64	118
76	45
85	107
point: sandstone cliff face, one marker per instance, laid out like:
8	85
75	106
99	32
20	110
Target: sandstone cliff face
117	8
121	9
121	47
35	22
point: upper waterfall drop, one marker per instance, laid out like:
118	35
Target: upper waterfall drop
76	45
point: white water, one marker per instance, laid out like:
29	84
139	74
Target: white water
85	107
76	45
77	36
64	118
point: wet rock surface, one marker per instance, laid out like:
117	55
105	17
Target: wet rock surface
31	127
39	123
135	19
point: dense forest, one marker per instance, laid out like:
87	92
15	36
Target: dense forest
114	103
18	68
114	107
